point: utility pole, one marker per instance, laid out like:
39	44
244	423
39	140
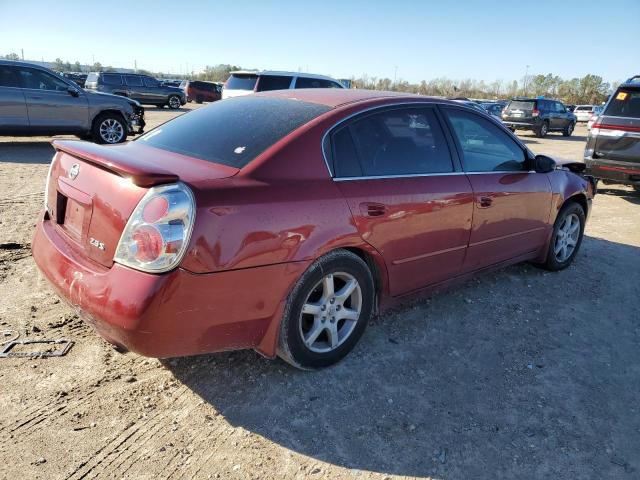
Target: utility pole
526	77
22	50
395	77
135	66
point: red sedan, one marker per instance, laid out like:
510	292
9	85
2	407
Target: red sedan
282	221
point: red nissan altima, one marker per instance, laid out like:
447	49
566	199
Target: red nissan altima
282	221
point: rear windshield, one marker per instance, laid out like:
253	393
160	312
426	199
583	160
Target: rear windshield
625	103
92	77
241	82
520	105
587	108
235	131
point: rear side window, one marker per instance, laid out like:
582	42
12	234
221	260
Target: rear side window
273	82
8	77
485	147
406	141
241	82
520	105
235	131
111	79
305	82
625	103
133	81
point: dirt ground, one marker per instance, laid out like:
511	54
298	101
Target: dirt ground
519	374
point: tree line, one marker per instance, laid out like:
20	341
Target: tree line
590	89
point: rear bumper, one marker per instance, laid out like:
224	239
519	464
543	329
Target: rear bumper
621	172
519	125
173	314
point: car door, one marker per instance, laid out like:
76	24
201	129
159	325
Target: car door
153	92
405	190
13	107
135	88
511	203
53	105
560	116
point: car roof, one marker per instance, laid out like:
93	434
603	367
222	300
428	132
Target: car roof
336	97
282	73
18	63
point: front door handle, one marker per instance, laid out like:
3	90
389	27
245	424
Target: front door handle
370	209
485	202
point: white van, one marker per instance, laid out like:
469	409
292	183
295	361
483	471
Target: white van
246	82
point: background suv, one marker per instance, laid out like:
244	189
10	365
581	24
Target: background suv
142	88
244	83
36	101
198	91
613	145
539	115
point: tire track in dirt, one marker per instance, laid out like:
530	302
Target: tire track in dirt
113	447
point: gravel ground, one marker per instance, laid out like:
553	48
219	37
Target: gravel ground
516	374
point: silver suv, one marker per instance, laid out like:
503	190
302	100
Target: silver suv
36	101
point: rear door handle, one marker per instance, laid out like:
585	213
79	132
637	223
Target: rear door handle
370	209
485	202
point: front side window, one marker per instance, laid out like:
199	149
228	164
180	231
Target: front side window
559	107
39	80
150	82
407	141
133	81
273	82
8	77
306	82
485	147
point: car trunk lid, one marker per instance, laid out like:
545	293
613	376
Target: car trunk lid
92	190
520	110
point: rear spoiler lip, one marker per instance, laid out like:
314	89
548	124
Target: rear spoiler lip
141	174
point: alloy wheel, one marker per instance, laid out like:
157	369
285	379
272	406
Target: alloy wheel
111	131
174	102
330	312
567	238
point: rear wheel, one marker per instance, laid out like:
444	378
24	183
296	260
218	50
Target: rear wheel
636	188
198	99
109	128
327	311
566	239
174	102
568	130
512	129
542	130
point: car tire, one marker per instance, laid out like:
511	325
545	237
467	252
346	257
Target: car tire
173	102
512	129
161	106
109	128
568	129
320	326
198	100
542	130
636	188
568	230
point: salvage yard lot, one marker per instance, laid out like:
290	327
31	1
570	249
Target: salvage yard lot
520	373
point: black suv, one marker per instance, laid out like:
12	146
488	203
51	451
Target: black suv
539	115
612	153
142	88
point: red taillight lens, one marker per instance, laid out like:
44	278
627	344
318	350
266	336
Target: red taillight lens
155	209
148	243
535	112
157	233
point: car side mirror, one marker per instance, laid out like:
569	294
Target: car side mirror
73	91
544	164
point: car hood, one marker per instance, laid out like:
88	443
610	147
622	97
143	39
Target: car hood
109	97
576	166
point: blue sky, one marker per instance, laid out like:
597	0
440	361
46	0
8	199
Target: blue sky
458	39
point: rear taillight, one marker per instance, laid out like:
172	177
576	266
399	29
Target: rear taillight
504	112
158	232
46	186
535	112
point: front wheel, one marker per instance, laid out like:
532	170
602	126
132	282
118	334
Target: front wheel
109	128
568	129
327	311
566	239
174	102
